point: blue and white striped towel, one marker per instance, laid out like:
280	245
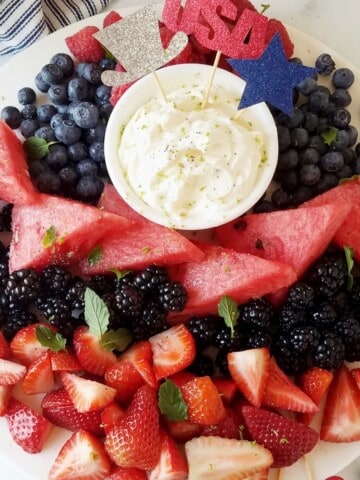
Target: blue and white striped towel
22	22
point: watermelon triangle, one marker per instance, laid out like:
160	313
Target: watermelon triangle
15	184
77	228
225	272
147	243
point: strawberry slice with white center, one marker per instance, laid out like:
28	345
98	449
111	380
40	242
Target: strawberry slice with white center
82	458
173	350
250	370
39	377
10	372
215	458
172	464
341	421
25	345
64	361
355	372
5	396
87	395
27	427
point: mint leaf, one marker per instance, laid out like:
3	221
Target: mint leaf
116	339
36	147
49	237
171	402
264	7
95	255
329	136
48	338
349	256
119	273
96	313
227	309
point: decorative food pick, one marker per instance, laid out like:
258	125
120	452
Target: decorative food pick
271	78
136	43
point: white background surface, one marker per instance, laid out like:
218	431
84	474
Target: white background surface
336	23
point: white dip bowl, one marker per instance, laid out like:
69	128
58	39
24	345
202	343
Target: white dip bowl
186	165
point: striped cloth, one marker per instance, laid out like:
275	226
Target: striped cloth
22	22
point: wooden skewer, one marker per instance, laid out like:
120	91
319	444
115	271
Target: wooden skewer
157	80
215	65
308	468
279	474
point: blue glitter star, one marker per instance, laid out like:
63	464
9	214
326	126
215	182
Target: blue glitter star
271	77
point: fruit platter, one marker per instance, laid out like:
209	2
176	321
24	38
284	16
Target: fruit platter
130	350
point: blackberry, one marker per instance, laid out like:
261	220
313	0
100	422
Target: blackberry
225	342
116	320
330	351
221	362
75	293
55	279
329	275
23	286
151	321
9	307
16	322
129	301
203	330
202	366
323	315
348	330
172	296
257	339
102	283
287	318
257	313
55	310
149	279
301	296
4	272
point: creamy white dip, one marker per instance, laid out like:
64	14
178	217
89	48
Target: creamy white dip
189	162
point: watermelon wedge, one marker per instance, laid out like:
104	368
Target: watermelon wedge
295	237
59	231
146	243
15	184
225	272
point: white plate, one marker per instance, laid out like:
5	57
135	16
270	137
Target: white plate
326	459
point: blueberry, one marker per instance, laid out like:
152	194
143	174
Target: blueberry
89	188
96	134
58	94
45	132
280	198
68	176
323	124
317	142
96	152
107	64
78	89
263	206
12	116
341	141
309	174
344	172
332	162
102	94
48	182
349	155
299	137
340	97
56	119
67	132
52	74
80	68
307	86
289	180
356	166
327	181
302	194
87	168
26	95
309	156
288	159
311	122
77	151
325	64
41	84
65	62
28	127
283	137
92	73
38	167
57	156
29	112
318	101
340	118
105	110
45	112
86	115
352	135
343	78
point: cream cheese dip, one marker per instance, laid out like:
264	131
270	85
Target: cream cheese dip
187	166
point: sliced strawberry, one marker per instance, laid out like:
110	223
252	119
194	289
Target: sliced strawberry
204	404
84	46
315	383
183	430
91	355
10	372
138	351
59	409
125	378
250	370
5	396
82	458
173	351
64	361
355	372
180	378
39	377
341	421
87	395
281	392
121	473
111	18
5	350
287	439
111	415
172	464
215	458
28	428
135	441
25	346
227	428
226	387
263	475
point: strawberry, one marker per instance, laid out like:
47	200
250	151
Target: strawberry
263	475
59	409
276	26
250	370
10	372
5	396
128	474
111	18
204	404
315	383
5	350
124	377
227	428
90	354
180	378
82	457
135	441
215	458
25	346
138	351
172	464
84	46
64	361
183	430
173	350
111	416
226	387
287	439
355	372
341	420
281	392
28	428
39	377
87	395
